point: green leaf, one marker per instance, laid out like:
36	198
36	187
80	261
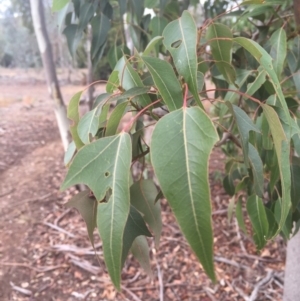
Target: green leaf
88	125
69	153
140	251
257	83
259	221
242	76
132	93
266	62
157	25
249	2
152	45
283	152
87	207
239	216
219	37
257	170
74	36
113	82
86	13
74	133
100	27
278	50
115	119
115	53
135	227
129	78
180	163
59	4
142	197
166	81
73	107
245	125
180	38
104	166
273	226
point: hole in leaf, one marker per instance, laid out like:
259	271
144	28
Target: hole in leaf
107	174
176	44
107	196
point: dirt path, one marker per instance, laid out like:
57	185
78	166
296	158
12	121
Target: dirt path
44	250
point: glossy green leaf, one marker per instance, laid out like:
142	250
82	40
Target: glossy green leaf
135	227
283	152
100	27
129	78
140	251
87	207
181	144
69	153
257	170
278	50
104	166
180	38
59	4
142	197
115	119
166	81
259	221
239	216
245	125
219	37
88	126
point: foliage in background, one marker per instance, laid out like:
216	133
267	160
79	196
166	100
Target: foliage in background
254	63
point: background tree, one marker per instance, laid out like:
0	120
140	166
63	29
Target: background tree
38	18
253	61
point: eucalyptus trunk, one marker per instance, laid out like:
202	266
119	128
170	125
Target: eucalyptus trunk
38	17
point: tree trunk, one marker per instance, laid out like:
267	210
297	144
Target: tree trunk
292	266
89	78
38	18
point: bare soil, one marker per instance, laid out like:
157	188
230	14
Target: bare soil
45	253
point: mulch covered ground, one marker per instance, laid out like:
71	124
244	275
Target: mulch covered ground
45	253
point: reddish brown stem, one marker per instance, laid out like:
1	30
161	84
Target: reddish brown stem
235	91
185	95
127	127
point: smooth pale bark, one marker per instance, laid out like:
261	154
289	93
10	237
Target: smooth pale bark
292	266
90	91
292	270
38	17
